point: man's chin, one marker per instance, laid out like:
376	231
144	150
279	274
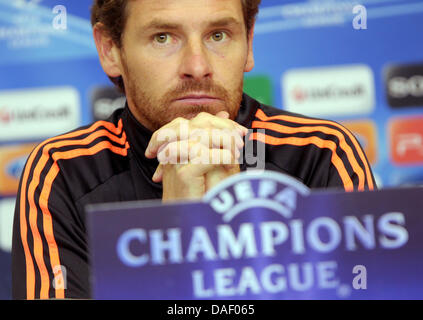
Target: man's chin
190	116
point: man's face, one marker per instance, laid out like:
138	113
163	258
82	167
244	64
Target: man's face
183	57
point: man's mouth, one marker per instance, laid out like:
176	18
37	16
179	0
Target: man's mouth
197	99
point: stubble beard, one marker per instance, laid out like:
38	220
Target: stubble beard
155	114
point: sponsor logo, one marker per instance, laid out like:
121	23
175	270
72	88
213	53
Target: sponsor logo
38	113
12	162
406	139
366	134
404	85
7	210
329	91
104	101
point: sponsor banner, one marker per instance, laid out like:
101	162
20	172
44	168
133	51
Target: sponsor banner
406	139
366	133
329	91
44	30
409	178
260	236
12	162
7	210
282	16
30	114
259	87
105	100
404	85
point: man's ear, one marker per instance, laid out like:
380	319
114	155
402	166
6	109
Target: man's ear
108	52
250	57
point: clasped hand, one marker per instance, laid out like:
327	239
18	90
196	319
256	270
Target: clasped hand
194	155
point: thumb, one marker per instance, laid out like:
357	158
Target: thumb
158	174
223	114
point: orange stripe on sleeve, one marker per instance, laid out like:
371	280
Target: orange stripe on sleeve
342	143
45	194
328	144
30	270
263	117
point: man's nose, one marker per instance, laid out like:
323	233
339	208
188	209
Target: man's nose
195	62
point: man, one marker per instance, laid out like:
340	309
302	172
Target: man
181	65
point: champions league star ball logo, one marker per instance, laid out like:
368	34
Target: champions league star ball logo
249	190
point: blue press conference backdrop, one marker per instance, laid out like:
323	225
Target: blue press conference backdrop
330	59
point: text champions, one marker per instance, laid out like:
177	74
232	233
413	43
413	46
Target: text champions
138	248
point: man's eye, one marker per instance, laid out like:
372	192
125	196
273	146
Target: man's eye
161	38
218	36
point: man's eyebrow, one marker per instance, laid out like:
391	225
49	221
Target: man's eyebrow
225	22
162	24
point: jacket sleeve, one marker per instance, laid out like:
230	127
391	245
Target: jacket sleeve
349	166
49	251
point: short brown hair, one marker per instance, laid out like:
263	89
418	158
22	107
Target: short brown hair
112	14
